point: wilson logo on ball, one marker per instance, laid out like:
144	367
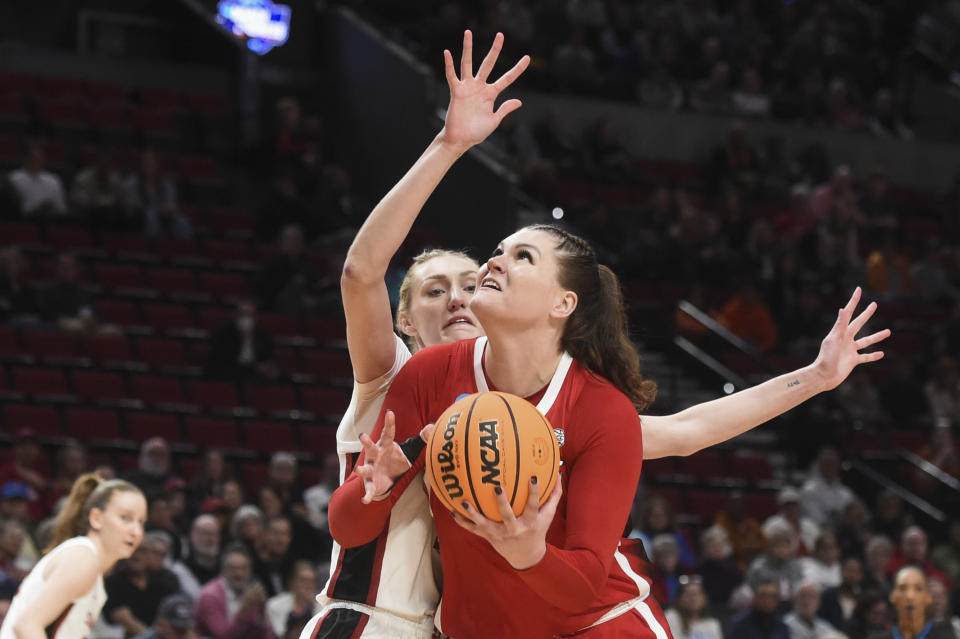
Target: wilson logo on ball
489	440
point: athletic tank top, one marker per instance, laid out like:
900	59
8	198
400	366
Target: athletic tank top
77	618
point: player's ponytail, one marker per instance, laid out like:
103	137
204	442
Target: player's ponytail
596	332
89	491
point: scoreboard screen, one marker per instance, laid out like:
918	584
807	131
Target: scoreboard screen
263	24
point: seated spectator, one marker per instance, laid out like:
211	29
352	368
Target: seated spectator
946	556
658	519
889	517
666	570
839	191
233	496
153	467
284	279
745	532
317	497
158	545
911	604
174	619
779	559
176	491
805	529
747	316
688	617
878	554
750	99
203	550
209	479
152	196
231	606
837	604
761	621
298	600
840	113
134	591
712	95
160	519
25	468
823	496
822	567
883	120
574	63
284	205
802	621
39	192
659	90
12	538
943	391
71	462
18	304
247	526
870	617
239	349
67	303
940	610
717	569
97	193
875	203
274	560
913	552
853	531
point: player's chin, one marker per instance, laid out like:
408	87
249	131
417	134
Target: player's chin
459	331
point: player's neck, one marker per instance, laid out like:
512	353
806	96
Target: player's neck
521	363
910	625
107	559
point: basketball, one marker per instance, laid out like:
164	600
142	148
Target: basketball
487	440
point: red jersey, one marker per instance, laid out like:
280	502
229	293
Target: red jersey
583	575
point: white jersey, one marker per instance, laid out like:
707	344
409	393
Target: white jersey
387	587
77	619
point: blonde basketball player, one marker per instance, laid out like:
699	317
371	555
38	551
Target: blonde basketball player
100	523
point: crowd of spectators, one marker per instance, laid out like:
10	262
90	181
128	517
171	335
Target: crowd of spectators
214	559
821	567
845	65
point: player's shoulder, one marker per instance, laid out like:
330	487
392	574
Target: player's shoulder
451	353
599	394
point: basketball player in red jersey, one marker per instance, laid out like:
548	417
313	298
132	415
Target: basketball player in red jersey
469	121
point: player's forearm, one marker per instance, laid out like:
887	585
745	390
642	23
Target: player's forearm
27	628
716	421
388	225
353	523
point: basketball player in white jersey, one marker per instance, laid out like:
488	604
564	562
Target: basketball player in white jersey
100	523
387	588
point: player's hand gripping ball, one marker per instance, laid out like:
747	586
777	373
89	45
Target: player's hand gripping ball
487	440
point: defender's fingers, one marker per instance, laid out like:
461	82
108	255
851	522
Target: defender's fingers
507	78
507	108
389	430
863	317
448	69
870	340
491	58
466	58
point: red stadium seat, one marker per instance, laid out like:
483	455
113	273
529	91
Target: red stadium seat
269	397
118	312
269	436
155	389
70	239
114	276
760	505
143	426
44	420
49	344
213	316
705	504
327	364
279	325
20	233
227	221
706	464
92	423
224	284
324	401
162	352
212	431
319	439
656	468
214	394
99	385
227	250
172	280
167	316
751	467
254	476
161	98
107	348
39	381
8	341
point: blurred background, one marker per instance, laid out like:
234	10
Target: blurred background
180	183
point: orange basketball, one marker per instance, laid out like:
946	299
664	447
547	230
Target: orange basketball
487	440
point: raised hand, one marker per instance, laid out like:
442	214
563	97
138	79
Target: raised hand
840	349
471	116
384	462
520	540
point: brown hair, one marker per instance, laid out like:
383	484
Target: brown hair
406	295
596	332
89	491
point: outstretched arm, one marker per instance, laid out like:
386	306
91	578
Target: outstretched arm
710	423
471	117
